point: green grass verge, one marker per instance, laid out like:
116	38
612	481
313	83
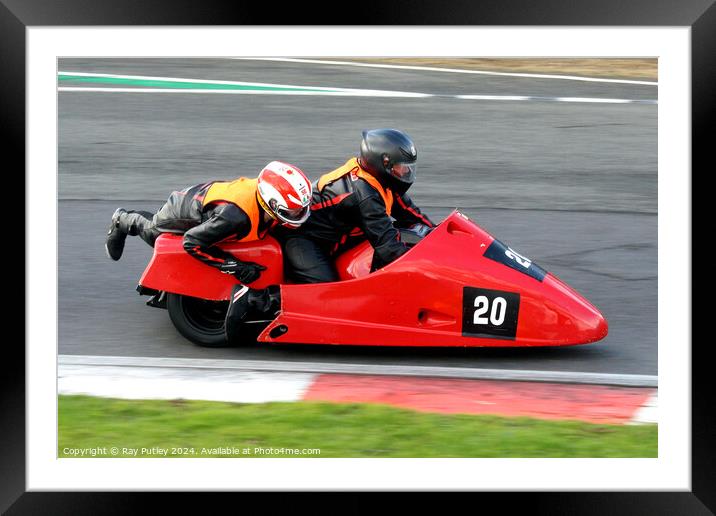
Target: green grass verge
210	429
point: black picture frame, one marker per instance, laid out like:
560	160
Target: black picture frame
17	15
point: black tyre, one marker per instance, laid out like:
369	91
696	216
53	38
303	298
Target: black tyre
199	320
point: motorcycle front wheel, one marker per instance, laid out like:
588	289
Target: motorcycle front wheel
198	320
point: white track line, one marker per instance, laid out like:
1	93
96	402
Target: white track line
314	90
184	79
449	70
355	93
589	100
628	380
307	90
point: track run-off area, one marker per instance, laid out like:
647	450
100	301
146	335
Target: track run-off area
563	169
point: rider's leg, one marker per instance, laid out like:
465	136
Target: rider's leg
306	261
248	304
144	224
129	223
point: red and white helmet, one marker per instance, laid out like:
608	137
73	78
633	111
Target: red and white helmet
285	192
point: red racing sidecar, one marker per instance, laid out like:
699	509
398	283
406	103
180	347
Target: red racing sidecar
457	286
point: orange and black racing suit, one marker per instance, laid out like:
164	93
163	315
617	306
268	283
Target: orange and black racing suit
349	205
205	214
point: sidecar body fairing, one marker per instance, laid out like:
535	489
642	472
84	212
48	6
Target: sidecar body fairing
458	286
172	269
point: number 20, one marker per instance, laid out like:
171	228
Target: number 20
497	312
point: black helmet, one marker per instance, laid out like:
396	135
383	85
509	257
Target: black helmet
390	156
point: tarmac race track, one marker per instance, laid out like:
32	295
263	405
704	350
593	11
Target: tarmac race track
570	184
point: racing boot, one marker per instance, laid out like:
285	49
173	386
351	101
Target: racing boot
265	304
248	305
116	235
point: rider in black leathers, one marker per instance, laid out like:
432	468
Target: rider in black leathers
356	202
202	224
209	213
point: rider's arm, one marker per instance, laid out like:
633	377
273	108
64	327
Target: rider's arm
379	230
406	213
223	222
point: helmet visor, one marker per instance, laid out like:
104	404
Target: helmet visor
297	215
404	172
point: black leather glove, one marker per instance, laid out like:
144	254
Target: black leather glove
414	234
421	230
245	272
